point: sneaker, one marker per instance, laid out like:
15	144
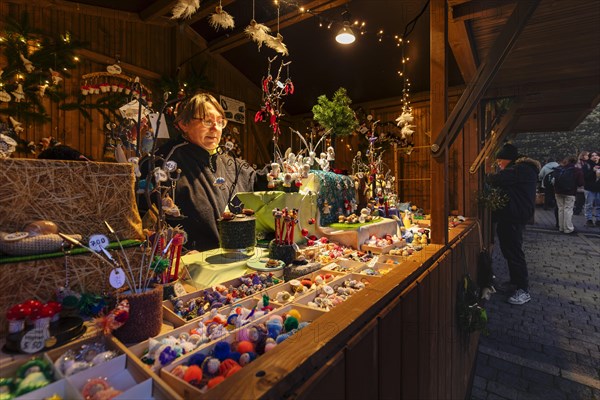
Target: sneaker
589	223
520	297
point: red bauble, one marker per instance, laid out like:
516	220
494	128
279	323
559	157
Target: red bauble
304	232
311	221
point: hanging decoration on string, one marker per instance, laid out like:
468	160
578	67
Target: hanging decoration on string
258	33
276	42
221	19
406	118
274	88
184	9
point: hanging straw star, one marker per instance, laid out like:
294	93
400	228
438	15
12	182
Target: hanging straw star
258	33
185	9
221	19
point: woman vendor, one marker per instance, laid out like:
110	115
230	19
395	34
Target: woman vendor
209	178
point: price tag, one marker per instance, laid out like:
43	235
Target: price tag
34	340
13	237
117	278
98	242
179	289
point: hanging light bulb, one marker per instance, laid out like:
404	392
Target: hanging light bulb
346	34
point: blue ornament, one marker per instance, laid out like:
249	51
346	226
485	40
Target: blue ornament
197	359
222	350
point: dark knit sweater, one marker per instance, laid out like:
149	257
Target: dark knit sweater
199	199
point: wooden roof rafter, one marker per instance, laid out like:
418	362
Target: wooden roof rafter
485	73
289	19
156	10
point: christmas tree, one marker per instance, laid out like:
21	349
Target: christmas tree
32	70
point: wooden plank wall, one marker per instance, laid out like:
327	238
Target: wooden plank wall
157	48
413	349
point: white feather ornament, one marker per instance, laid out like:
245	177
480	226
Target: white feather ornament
276	43
221	19
405	118
407	131
258	33
185	9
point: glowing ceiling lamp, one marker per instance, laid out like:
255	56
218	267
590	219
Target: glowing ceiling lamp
346	34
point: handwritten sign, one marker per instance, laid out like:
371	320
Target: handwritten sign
117	278
34	340
179	289
98	242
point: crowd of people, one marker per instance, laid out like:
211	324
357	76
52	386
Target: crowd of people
572	187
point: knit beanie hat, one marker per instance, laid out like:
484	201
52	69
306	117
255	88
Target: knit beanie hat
507	152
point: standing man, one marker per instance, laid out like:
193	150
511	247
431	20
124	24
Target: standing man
517	178
567	178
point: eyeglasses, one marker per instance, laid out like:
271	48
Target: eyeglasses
219	124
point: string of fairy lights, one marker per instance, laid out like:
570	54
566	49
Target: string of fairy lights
400	40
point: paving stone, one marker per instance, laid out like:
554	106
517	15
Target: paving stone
538	376
478	394
479	382
574	390
548	348
500	389
506	366
513	381
547	392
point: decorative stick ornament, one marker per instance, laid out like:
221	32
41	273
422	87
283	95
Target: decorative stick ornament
258	33
184	9
221	19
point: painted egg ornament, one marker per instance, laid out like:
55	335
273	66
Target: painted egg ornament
192	375
245	346
41	227
247	358
215	381
211	365
270	344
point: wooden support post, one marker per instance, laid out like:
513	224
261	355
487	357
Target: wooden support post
485	74
439	206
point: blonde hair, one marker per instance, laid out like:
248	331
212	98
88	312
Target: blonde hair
583	154
195	107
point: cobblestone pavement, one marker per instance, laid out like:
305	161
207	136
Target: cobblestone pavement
548	348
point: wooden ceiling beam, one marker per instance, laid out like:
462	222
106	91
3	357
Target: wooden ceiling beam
484	76
157	9
460	40
538	87
94	11
478	9
289	19
206	11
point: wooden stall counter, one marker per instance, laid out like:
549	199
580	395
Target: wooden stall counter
396	338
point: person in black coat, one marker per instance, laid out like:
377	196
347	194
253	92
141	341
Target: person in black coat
209	177
517	178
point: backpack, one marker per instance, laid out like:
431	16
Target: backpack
563	180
